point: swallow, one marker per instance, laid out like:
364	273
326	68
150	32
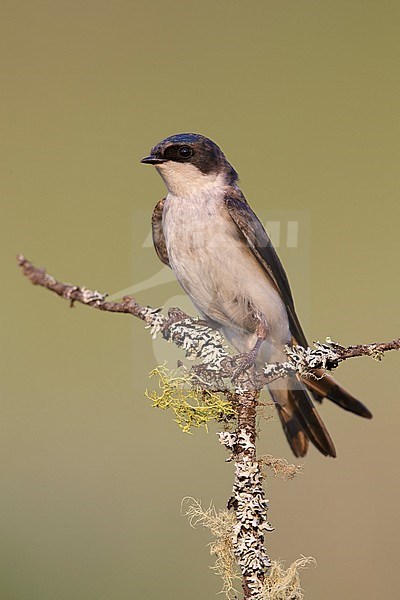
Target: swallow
220	253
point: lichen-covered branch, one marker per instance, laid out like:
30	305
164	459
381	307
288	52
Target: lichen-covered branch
201	341
248	497
216	373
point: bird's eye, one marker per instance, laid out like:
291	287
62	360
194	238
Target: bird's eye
185	152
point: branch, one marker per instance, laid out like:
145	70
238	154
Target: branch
248	497
200	341
203	342
74	293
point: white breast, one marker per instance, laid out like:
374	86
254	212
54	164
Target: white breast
218	271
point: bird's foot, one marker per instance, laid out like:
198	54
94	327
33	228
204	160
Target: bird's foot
244	362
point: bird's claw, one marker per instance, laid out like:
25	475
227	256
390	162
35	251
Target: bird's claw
244	363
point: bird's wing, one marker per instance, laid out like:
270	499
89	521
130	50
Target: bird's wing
158	234
258	241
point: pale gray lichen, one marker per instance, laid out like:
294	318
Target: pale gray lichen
92	296
303	361
306	359
154	320
244	440
251	510
68	293
227	439
277	370
241	389
200	341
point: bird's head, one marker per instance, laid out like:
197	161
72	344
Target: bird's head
189	163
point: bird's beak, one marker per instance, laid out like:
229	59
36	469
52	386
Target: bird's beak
151	160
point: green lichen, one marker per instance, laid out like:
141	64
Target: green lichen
192	407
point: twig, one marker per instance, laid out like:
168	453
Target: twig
74	293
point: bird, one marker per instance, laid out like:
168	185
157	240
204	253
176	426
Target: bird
220	253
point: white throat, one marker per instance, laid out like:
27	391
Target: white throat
184	180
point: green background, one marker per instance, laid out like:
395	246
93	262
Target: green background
303	96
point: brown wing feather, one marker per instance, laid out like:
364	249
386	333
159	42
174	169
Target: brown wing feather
158	234
257	239
298	416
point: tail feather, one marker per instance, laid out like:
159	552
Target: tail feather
325	386
293	400
294	430
300	420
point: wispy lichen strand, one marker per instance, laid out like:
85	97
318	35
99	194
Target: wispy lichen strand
220	524
279	467
280	584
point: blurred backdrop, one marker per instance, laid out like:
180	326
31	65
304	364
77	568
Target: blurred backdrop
304	99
